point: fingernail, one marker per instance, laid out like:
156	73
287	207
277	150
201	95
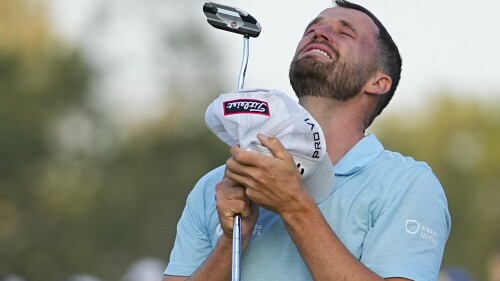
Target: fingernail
262	136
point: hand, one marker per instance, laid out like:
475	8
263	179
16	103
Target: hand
231	200
271	182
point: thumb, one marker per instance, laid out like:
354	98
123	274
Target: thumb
275	146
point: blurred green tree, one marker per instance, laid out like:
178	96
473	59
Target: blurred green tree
76	194
39	79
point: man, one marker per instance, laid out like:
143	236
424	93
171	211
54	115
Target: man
387	216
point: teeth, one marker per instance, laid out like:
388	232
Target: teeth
321	52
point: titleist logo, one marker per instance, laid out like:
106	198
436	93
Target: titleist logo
246	106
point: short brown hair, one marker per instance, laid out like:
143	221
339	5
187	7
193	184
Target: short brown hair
389	60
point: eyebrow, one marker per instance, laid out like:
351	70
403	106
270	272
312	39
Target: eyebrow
348	25
343	22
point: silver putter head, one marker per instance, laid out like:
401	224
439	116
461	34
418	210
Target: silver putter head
231	19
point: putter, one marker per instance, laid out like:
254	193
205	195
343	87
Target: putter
238	21
234	20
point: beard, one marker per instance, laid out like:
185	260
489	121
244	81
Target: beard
339	79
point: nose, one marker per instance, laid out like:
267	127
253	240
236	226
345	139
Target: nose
324	31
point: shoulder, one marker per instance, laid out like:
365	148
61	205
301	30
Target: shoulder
214	176
395	160
393	166
205	187
200	202
370	167
403	179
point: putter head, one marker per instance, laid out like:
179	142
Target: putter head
231	19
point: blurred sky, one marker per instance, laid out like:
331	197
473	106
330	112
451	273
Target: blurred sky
445	44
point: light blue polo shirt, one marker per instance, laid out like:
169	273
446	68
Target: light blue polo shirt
390	211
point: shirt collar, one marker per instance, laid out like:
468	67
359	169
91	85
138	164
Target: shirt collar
365	151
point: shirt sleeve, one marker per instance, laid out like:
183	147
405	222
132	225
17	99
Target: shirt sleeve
410	228
192	243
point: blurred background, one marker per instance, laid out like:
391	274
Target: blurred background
102	133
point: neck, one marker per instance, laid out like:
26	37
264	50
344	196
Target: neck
341	121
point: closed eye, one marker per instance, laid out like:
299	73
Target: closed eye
310	27
309	31
347	34
347	29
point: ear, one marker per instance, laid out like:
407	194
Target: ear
379	84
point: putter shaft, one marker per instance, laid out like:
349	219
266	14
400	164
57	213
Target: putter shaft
237	218
244	62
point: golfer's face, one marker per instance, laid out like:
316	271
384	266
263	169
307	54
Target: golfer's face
339	33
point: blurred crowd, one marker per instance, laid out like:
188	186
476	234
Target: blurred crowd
146	269
151	269
458	273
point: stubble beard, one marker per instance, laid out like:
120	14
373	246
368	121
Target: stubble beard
337	79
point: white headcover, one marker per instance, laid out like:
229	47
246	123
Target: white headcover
237	118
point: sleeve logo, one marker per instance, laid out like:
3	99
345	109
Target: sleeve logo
412	226
424	232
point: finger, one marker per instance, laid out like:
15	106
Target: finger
246	211
246	158
238	177
224	184
241	173
275	146
235	207
227	189
230	199
228	205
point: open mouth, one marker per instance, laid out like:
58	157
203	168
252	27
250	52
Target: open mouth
319	49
